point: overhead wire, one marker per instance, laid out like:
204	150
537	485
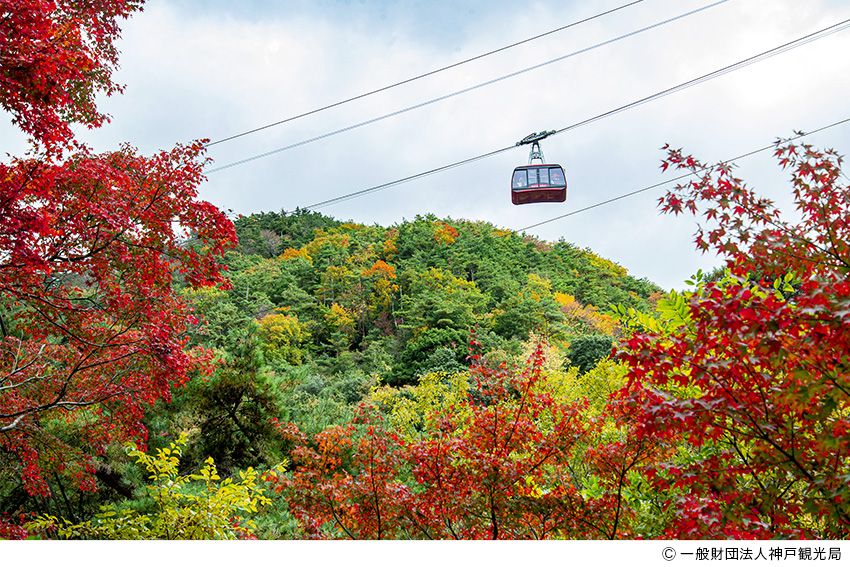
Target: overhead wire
376	188
680	177
424	75
824	32
462	91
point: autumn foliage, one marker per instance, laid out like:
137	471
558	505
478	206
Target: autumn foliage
722	412
91	246
750	382
214	509
498	462
56	57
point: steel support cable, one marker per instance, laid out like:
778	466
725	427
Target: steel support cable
719	72
424	75
840	26
362	192
463	91
680	177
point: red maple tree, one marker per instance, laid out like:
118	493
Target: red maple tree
55	56
752	383
91	246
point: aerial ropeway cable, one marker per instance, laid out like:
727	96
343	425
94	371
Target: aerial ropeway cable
426	74
803	40
462	91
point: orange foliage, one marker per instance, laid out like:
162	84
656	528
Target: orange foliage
445	234
381	270
587	315
292	253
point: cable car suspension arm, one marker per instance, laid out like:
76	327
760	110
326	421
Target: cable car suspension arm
534	139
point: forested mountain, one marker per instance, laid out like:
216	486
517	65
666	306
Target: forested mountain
401	301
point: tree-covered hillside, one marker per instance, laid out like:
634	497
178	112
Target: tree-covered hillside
401	301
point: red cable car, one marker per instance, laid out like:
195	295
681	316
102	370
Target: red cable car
538	183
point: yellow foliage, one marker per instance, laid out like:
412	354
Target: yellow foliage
340	317
336	241
444	234
214	512
390	247
595	385
384	288
566	385
282	337
200	294
565	299
435	279
204	299
334	276
554	352
292	253
605	265
349	227
589	315
439	398
538	288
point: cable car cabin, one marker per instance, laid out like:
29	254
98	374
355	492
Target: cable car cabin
540	183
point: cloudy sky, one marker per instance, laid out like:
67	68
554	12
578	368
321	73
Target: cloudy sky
216	68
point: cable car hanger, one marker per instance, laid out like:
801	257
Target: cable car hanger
540	183
534	139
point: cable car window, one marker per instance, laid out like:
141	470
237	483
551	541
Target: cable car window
520	180
543	175
532	178
556	174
